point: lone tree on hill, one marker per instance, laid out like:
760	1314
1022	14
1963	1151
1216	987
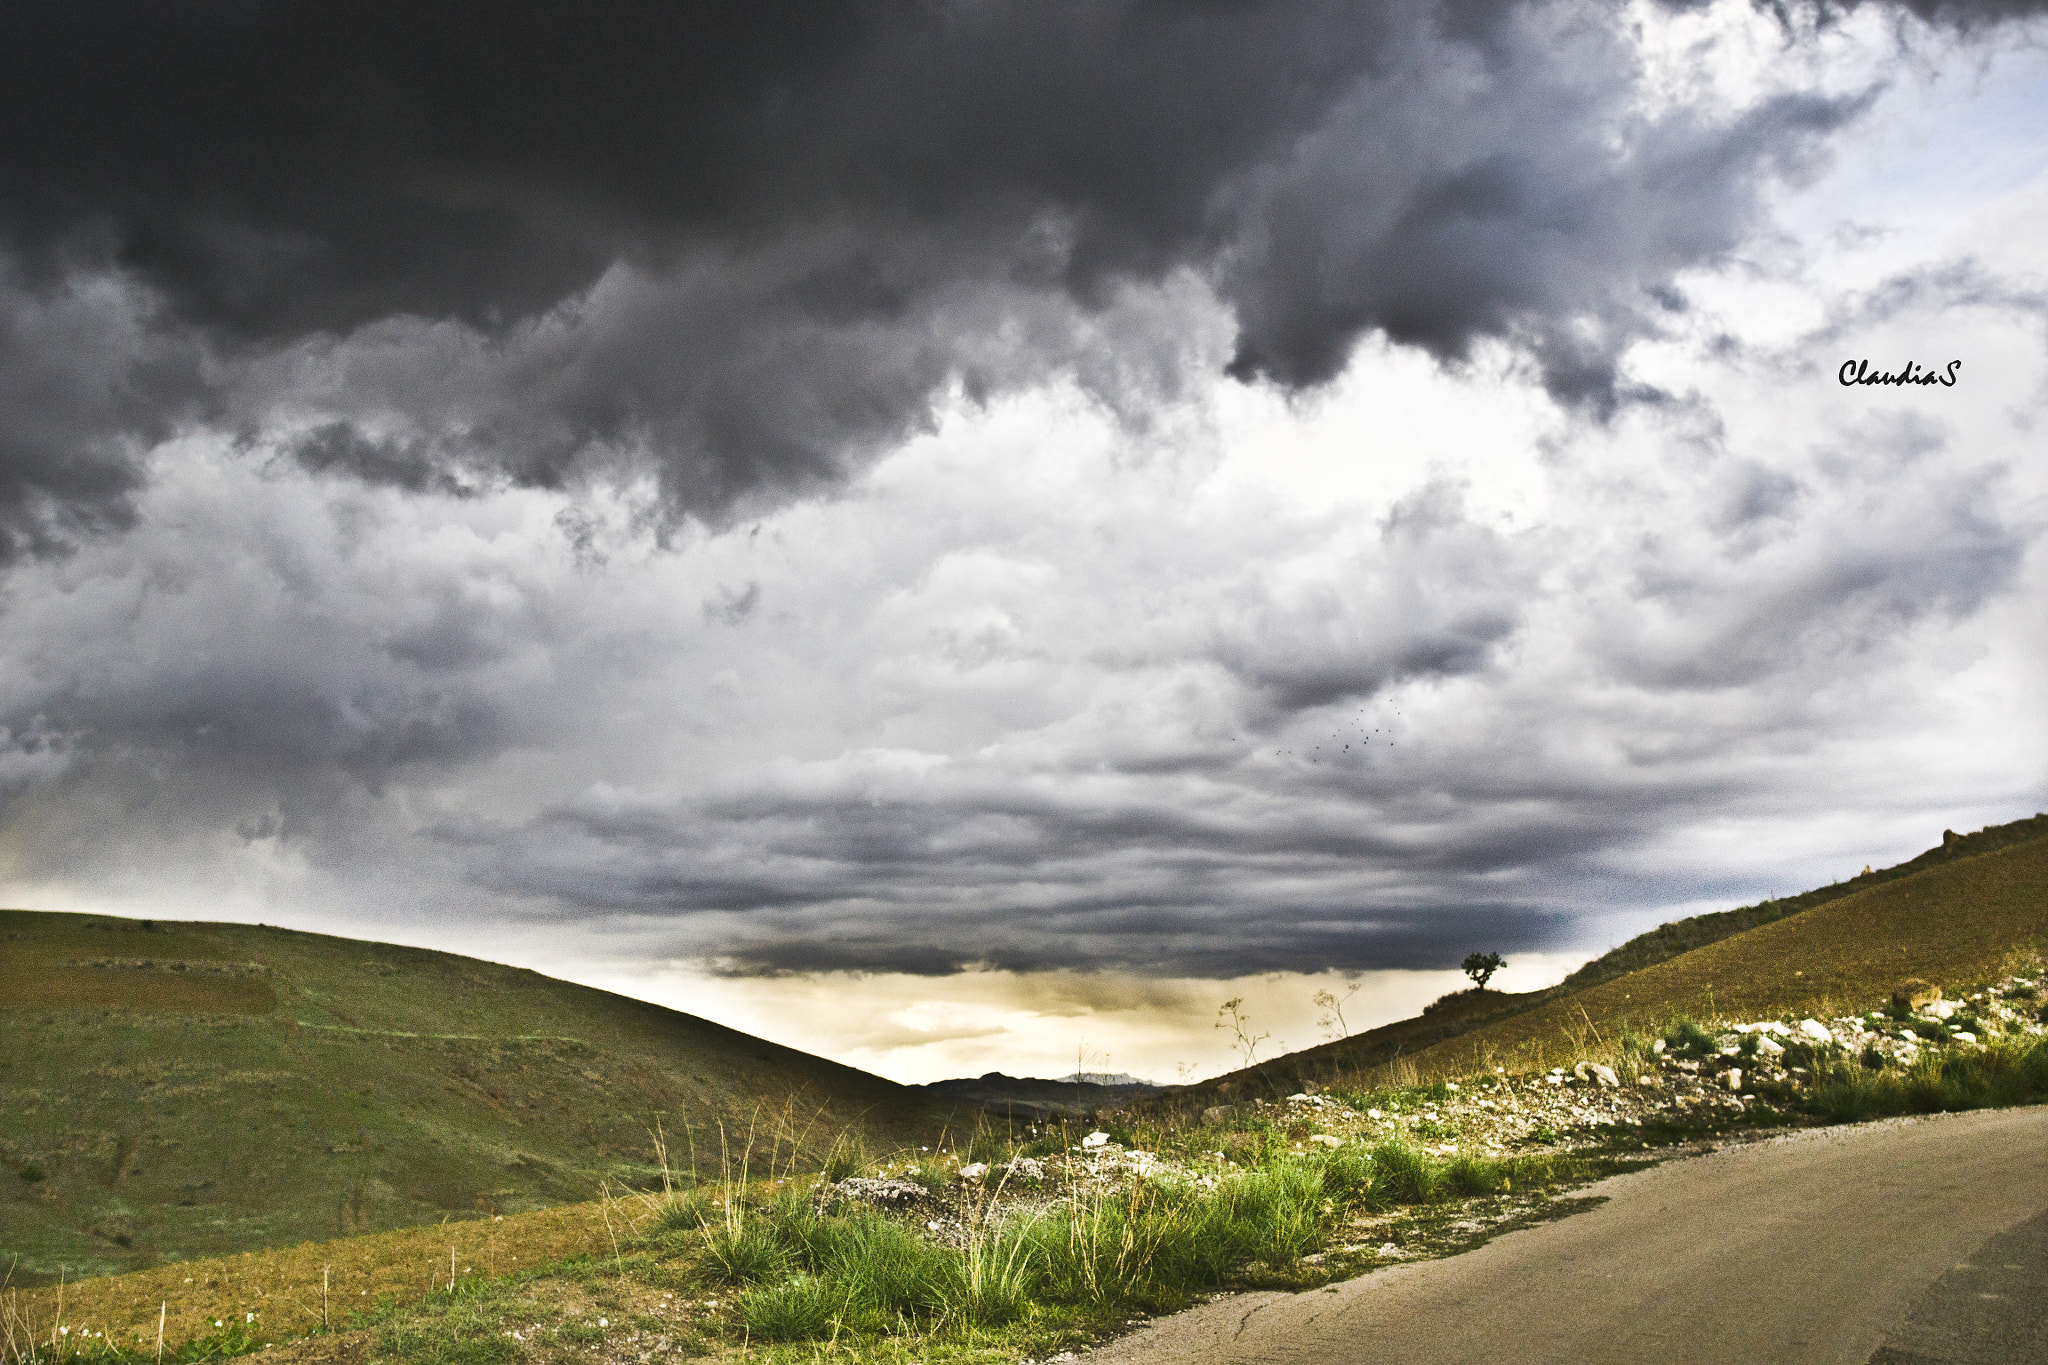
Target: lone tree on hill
1481	967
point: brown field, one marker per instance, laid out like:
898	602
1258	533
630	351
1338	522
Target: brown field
163	989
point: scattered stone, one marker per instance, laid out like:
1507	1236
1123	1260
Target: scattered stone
1095	1140
1325	1140
1605	1075
1941	1009
1963	1036
1646	1079
1816	1030
1769	1046
870	1190
1732	1078
974	1170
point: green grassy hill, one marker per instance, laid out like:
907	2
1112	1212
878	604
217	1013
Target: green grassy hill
175	1090
1957	915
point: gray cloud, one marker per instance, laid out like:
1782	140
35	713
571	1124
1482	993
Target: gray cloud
340	403
744	247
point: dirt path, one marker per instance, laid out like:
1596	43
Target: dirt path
1832	1245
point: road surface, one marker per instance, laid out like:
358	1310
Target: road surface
1903	1242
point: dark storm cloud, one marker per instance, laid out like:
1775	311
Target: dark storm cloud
1964	15
87	383
864	870
745	244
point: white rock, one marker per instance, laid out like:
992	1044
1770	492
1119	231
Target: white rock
1742	1028
974	1170
1657	1048
1816	1030
1646	1080
1775	1027
1963	1036
1555	1078
1732	1078
1325	1140
1374	1114
1302	1096
1097	1139
1769	1046
1451	1086
1604	1074
1942	1009
1908	1035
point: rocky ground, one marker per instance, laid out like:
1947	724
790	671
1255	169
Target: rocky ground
1703	1075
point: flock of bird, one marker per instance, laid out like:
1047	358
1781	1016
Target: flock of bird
1365	740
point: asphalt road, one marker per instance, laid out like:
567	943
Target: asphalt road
1895	1243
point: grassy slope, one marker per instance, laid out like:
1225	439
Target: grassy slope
1953	915
1667	941
256	1087
1957	923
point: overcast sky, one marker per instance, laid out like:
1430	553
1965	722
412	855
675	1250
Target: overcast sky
960	535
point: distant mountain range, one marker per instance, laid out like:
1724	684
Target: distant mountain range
1027	1097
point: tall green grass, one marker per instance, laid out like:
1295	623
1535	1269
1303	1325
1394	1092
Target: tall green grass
2005	1072
1150	1246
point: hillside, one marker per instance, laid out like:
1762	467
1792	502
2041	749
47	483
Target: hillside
1667	941
1957	923
1955	915
176	1090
